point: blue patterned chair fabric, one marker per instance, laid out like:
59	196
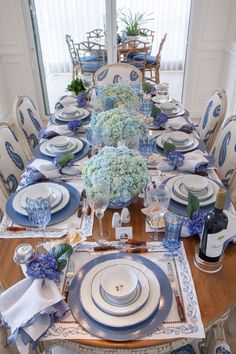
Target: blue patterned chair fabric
224	151
28	119
186	349
12	159
111	74
212	116
222	350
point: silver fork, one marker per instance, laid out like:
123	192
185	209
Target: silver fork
68	277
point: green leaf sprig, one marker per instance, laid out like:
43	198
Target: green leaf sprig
62	253
76	86
63	161
193	204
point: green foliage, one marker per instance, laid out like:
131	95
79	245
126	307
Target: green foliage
147	87
155	111
134	22
76	86
62	162
168	147
193	204
61	252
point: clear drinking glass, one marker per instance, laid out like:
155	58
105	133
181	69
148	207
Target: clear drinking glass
173	225
145	107
99	197
157	199
39	213
147	146
87	80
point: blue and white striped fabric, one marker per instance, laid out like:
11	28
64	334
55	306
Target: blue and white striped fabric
224	151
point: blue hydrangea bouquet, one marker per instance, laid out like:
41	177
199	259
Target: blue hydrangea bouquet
122	95
123	168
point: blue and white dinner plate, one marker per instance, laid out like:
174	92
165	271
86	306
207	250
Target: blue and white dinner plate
78	155
57	217
125	333
54	119
180	208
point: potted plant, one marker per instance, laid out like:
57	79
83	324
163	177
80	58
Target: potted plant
133	23
76	86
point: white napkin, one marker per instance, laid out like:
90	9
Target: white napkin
65	101
177	123
58	129
46	168
30	305
192	162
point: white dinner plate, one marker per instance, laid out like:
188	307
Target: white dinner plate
100	299
55	150
119	321
180	145
181	191
76	142
82	115
77	112
18	199
160	140
54	199
173	196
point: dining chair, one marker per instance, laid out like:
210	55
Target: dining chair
96	33
232	189
28	120
129	58
127	46
224	151
213	117
148	35
153	63
12	161
115	73
73	55
92	56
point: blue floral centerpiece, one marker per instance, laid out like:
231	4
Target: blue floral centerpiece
123	168
118	125
122	96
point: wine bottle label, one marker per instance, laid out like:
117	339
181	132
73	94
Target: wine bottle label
215	244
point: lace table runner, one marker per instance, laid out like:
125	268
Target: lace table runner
172	327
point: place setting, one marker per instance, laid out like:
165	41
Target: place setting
204	188
52	203
61	145
183	142
69	113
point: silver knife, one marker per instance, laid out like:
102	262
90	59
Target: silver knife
176	292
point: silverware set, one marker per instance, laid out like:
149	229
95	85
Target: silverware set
68	277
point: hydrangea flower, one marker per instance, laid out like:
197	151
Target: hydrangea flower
118	124
195	225
175	158
74	125
160	120
44	266
123	168
123	95
81	99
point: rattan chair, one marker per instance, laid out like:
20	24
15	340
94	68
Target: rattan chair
96	33
92	56
73	55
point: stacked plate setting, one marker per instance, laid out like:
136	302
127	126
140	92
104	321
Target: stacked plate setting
61	144
183	142
70	113
202	187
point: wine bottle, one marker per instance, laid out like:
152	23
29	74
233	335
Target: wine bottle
213	234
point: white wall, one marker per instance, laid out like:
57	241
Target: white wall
210	27
17	74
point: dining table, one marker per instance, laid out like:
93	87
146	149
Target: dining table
215	292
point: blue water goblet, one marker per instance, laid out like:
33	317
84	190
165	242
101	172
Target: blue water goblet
147	146
39	213
145	107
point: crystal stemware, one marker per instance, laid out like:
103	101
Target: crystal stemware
147	146
39	213
157	199
99	197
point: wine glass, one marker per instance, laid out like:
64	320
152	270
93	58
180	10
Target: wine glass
39	213
87	80
157	199
98	198
147	146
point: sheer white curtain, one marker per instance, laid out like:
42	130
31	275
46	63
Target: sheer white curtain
76	17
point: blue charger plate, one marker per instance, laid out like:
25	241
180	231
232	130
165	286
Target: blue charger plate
182	209
54	120
79	155
61	215
125	333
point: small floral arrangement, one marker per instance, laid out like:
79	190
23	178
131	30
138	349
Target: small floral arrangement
160	120
123	168
175	158
63	160
124	95
50	264
75	125
195	223
118	125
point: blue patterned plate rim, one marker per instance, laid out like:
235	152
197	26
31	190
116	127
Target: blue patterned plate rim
125	333
78	155
54	120
182	209
57	217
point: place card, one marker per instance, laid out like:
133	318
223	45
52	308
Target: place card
124	230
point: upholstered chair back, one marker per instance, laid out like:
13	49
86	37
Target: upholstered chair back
213	117
115	73
224	151
27	118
